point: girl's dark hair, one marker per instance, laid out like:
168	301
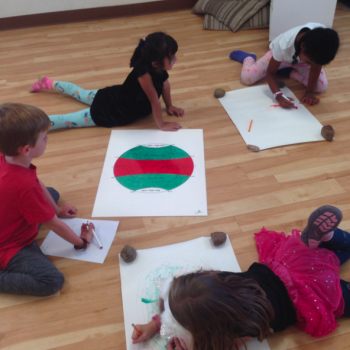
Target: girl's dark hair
321	45
217	311
154	48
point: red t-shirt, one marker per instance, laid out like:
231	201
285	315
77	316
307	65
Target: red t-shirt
23	206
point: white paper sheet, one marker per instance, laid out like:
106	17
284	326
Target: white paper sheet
150	185
140	294
54	245
272	126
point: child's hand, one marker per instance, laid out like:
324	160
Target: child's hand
167	126
67	211
174	343
86	231
147	331
310	99
284	102
179	112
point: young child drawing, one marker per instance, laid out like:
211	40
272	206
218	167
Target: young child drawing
26	202
298	53
295	283
137	97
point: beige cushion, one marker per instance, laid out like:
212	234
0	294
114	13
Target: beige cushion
199	7
260	20
233	13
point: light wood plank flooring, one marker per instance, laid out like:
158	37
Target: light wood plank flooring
276	188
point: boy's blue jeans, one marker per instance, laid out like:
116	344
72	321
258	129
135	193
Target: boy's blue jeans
340	246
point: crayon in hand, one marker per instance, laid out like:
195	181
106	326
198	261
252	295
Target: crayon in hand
136	330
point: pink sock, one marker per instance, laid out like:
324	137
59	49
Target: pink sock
43	83
314	244
327	237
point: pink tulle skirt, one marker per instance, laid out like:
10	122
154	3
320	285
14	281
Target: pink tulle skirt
310	276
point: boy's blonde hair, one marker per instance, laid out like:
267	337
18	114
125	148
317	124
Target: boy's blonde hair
20	125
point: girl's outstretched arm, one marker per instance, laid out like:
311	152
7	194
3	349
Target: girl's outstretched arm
315	71
273	84
171	110
148	87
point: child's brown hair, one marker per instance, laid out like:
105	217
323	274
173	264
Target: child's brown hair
20	125
218	311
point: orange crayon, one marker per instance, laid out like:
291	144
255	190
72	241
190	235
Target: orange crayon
250	126
137	331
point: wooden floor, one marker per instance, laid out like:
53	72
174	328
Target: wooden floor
276	188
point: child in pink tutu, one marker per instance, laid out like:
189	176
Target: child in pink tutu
295	283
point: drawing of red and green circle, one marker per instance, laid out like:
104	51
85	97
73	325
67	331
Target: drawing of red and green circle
143	167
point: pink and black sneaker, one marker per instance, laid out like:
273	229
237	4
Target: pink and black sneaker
322	221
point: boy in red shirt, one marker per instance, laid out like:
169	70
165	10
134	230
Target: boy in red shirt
26	202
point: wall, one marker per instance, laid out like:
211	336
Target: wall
285	15
11	8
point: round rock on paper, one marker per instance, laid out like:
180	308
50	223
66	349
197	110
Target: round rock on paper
218	238
128	253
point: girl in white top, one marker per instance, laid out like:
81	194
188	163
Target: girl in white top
298	53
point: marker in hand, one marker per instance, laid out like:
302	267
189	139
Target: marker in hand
286	98
98	241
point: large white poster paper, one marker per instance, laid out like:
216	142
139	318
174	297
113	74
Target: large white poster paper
139	292
272	125
54	245
153	173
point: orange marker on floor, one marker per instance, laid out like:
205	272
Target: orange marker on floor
250	126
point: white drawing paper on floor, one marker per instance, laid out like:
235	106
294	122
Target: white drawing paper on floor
139	291
272	125
54	245
153	173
